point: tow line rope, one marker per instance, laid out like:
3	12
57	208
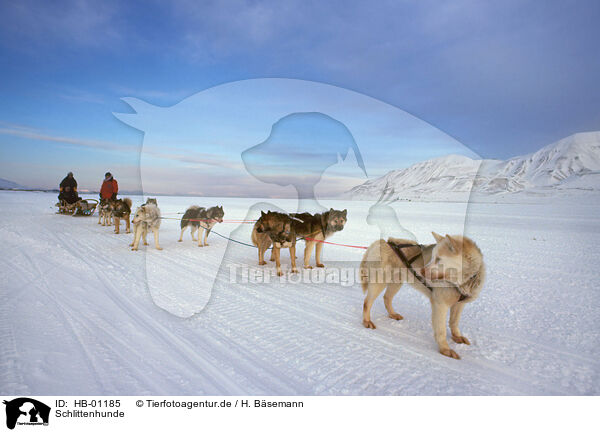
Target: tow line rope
208	220
252	221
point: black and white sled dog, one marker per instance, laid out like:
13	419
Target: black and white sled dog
147	217
200	218
104	213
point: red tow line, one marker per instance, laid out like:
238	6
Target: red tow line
336	244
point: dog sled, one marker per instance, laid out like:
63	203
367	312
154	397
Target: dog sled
82	207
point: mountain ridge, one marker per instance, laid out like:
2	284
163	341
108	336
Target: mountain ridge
569	164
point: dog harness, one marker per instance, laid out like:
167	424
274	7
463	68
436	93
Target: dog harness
397	247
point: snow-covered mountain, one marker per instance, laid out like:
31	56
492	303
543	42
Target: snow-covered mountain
571	164
7	184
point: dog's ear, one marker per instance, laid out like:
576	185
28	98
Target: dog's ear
438	238
262	213
345	212
454	246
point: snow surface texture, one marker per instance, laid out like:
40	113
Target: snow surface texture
77	316
570	165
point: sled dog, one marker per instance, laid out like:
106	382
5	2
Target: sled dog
273	228
82	206
202	220
317	227
147	217
449	272
66	208
104	213
121	209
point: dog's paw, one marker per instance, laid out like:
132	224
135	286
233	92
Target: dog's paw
294	270
396	316
369	324
158	248
179	241
308	267
279	273
449	353
134	249
272	259
205	244
461	340
320	265
200	245
128	232
262	263
145	243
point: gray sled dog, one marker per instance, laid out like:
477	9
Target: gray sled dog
147	217
199	218
104	213
453	276
317	227
121	209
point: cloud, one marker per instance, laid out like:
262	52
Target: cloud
194	158
153	95
78	23
32	133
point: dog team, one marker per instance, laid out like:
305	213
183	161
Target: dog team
449	272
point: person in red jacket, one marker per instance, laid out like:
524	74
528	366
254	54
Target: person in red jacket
109	188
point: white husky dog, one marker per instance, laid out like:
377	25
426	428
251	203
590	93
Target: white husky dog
449	272
147	217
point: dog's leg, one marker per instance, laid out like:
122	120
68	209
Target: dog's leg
439	312
390	292
135	230
272	256
206	236
99	217
293	258
373	292
136	238
307	253
156	244
117	224
181	236
277	252
200	231
318	250
145	234
127	224
261	254
455	312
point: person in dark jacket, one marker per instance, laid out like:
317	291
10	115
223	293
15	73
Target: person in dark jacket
68	189
109	189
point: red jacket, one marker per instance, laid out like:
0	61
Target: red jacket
109	189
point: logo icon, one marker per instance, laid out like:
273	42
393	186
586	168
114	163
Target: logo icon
26	411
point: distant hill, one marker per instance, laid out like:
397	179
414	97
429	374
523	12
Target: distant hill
569	165
7	184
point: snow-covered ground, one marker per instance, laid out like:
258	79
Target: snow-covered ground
79	314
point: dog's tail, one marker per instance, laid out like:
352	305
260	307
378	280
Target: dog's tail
254	237
127	201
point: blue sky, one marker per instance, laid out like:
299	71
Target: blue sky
501	77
